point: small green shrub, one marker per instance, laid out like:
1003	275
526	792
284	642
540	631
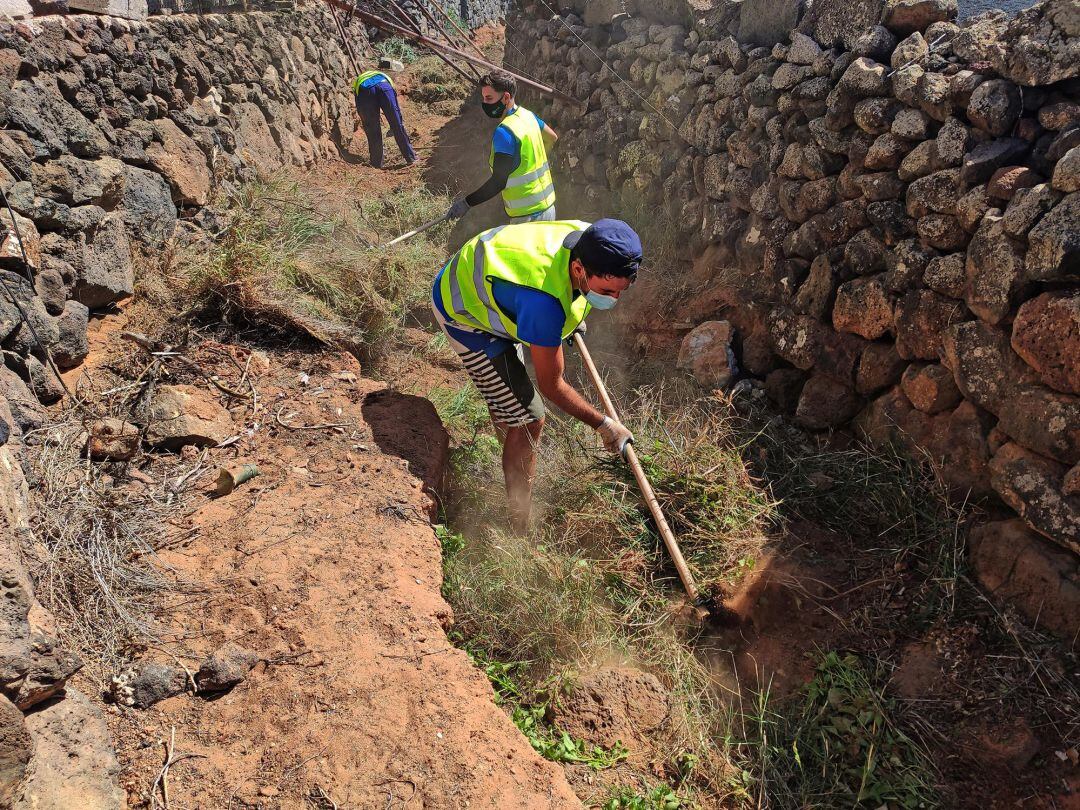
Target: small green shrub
661	797
396	48
841	747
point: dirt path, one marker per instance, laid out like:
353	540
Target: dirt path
326	564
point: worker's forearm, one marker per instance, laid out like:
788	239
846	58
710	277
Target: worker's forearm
567	399
500	174
493	186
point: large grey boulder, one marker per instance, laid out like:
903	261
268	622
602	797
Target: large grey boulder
1032	485
986	369
995	272
1039	46
73	181
1054	244
766	22
102	262
994	106
71	346
147	207
26	411
37	108
840	23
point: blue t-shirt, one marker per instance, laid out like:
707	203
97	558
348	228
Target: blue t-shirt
371	81
538	315
505	142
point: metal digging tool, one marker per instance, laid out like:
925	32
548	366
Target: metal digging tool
415	231
704	607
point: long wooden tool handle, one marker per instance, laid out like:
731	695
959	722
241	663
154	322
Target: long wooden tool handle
642	481
413	233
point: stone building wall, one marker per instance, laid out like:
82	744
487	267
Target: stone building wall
894	232
113	134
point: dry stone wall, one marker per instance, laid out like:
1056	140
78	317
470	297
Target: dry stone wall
113	136
893	230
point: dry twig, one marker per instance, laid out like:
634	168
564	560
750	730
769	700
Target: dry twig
162	780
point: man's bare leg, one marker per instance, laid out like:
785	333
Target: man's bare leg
519	469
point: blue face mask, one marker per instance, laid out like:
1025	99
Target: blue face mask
600	301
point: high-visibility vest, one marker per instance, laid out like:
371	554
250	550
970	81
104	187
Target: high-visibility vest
529	189
367	74
530	254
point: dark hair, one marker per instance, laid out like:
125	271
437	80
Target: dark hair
503	82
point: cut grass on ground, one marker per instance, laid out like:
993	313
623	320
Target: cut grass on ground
290	260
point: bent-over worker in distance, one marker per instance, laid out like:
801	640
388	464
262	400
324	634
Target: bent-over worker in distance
532	285
375	93
518	158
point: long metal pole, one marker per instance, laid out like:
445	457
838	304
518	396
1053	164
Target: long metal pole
457	27
405	33
642	481
345	40
431	19
401	12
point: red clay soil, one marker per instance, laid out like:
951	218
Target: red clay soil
327	567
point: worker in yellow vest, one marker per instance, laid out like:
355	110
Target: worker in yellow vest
375	94
518	158
532	285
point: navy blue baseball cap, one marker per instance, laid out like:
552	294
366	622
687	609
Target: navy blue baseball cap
608	247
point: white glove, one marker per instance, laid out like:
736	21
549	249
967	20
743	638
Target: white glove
617	437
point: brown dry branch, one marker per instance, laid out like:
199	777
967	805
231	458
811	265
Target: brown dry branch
162	780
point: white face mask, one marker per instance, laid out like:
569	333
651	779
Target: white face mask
600	301
597	300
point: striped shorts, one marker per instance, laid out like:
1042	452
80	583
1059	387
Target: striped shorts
502	380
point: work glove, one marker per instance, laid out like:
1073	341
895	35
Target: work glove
616	436
458	209
581	329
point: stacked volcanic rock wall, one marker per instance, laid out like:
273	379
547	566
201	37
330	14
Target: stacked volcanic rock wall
893	229
113	134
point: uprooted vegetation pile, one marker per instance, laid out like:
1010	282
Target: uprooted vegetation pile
296	260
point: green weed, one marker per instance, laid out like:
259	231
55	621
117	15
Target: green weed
558	746
547	740
396	48
841	746
660	797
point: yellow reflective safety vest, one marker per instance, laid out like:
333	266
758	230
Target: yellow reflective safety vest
529	189
530	254
367	74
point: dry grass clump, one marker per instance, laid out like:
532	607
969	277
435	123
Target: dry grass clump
96	533
290	261
437	82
